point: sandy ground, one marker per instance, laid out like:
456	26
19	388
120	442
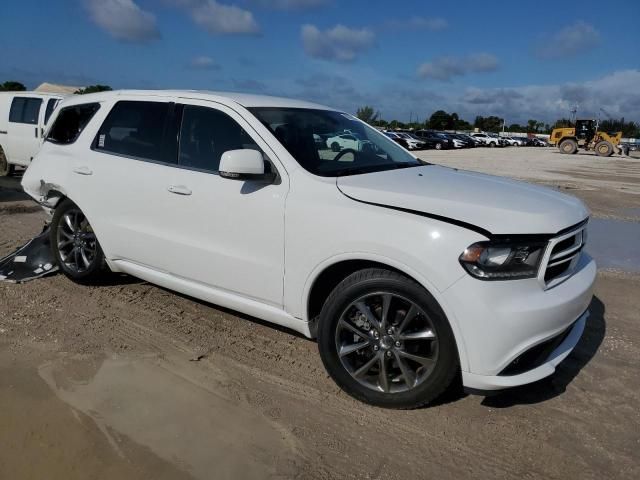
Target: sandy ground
128	380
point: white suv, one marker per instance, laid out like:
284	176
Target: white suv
407	273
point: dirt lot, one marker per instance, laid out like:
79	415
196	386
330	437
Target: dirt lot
128	380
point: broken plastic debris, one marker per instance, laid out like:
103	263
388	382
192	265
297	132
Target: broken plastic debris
29	261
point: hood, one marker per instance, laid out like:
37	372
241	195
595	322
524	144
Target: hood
494	204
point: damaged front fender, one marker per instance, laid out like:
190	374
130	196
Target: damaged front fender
50	194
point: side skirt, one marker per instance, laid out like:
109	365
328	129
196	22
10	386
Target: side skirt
214	295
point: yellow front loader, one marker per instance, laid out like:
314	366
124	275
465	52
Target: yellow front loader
584	135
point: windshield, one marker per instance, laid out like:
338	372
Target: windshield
333	144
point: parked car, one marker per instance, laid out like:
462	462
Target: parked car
466	140
345	140
510	141
488	140
538	142
23	118
521	141
410	275
406	140
434	139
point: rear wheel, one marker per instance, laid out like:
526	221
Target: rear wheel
385	340
6	169
438	146
568	146
492	144
604	149
75	245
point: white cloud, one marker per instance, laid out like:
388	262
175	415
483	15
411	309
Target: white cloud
617	92
446	68
340	43
571	40
123	20
419	23
203	62
217	18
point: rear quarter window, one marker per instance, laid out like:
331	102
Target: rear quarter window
70	123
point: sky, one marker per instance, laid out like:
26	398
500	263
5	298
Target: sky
518	60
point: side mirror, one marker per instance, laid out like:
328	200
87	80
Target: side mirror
244	164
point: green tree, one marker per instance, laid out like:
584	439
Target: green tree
563	123
93	89
12	86
367	114
489	124
440	120
628	129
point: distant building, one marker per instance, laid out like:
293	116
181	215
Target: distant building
55	88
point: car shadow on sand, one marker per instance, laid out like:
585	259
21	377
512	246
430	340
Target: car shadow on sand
556	384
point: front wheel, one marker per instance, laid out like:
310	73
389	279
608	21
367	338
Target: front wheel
604	149
438	146
75	245
386	341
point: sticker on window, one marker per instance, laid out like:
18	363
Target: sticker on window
101	141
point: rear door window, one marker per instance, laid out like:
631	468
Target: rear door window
137	129
206	134
70	122
25	110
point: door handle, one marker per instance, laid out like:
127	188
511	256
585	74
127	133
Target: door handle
83	170
179	190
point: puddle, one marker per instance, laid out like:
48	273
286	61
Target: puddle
191	427
631	212
614	244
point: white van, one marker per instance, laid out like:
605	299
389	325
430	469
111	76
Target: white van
23	118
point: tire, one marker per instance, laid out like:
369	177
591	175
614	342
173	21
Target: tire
604	149
568	146
75	246
438	146
418	369
492	144
6	169
335	146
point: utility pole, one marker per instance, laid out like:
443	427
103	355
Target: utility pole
574	112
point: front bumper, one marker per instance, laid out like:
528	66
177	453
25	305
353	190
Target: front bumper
500	321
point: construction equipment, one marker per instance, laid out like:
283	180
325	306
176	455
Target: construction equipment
586	135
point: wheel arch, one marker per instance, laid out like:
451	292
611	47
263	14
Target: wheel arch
331	272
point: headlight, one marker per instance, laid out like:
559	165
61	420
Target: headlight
502	261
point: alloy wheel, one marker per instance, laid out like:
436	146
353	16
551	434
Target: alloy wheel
386	342
76	241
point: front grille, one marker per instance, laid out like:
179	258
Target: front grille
563	256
